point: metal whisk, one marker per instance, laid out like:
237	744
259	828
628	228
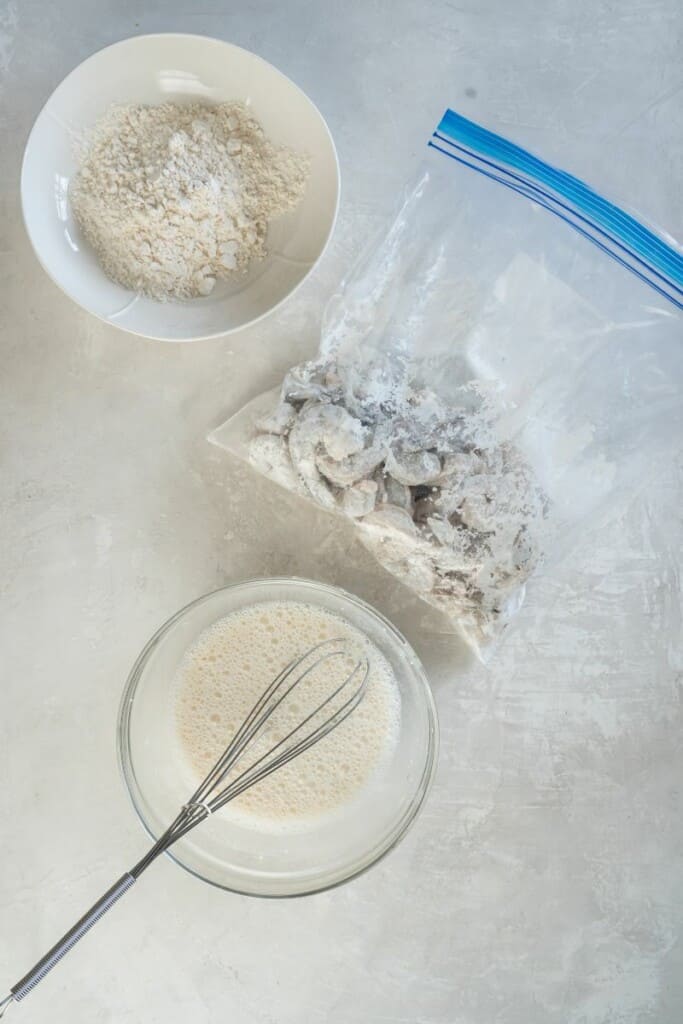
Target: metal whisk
216	791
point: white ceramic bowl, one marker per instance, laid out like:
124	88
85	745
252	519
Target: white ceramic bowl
176	68
322	853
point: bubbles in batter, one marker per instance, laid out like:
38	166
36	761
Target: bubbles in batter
231	664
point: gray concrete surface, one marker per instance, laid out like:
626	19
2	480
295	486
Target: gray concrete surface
543	884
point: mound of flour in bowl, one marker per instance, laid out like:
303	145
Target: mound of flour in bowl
174	197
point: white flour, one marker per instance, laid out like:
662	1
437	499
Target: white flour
173	197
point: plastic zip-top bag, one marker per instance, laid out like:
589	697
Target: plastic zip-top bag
494	373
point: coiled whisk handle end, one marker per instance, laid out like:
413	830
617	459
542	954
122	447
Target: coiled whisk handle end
68	941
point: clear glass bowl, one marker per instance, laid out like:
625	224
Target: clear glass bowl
231	855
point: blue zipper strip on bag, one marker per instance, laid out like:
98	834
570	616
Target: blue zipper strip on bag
615	232
531	193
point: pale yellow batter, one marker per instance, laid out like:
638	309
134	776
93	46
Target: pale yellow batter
229	667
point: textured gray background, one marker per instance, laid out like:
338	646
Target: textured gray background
543	884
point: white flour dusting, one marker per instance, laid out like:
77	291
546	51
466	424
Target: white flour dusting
444	505
173	197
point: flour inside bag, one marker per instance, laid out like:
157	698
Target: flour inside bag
488	380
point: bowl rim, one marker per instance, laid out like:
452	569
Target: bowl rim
375	853
129	330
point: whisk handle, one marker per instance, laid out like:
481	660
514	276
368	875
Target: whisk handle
68	941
